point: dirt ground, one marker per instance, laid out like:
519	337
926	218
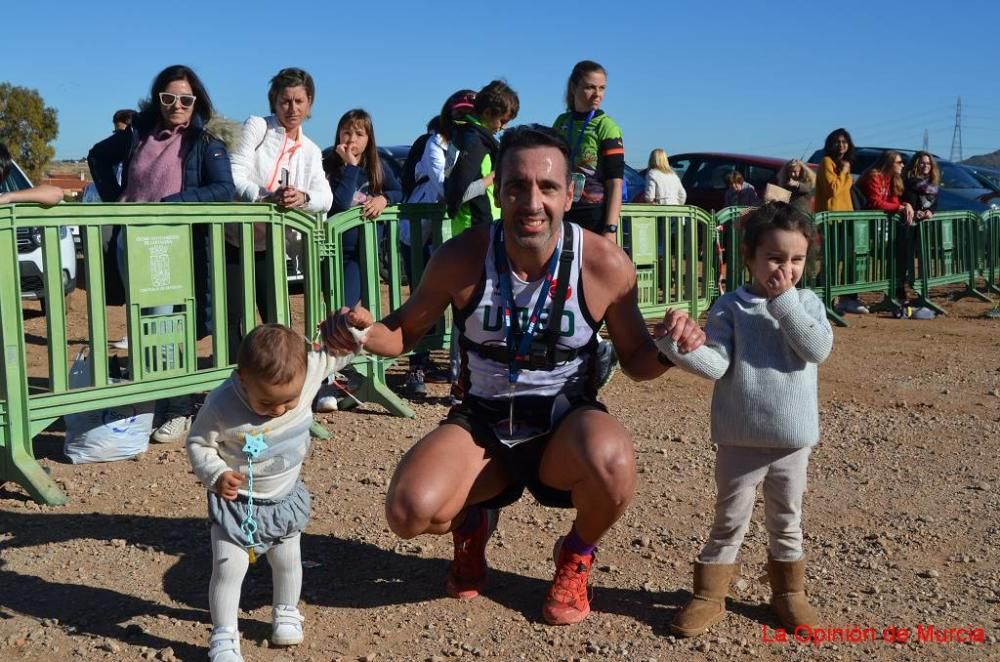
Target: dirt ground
900	521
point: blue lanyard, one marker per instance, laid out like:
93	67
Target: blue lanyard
579	138
507	292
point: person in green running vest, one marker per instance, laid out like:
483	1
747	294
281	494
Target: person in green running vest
597	153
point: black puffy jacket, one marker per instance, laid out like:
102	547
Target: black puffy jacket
206	177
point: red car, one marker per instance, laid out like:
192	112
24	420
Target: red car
704	175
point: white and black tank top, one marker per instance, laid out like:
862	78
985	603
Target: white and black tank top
482	323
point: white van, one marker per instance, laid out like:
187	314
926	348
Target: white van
29	247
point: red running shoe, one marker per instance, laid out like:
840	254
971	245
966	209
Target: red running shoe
567	601
467	572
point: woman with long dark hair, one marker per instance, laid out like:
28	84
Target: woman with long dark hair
921	185
167	155
358	178
833	193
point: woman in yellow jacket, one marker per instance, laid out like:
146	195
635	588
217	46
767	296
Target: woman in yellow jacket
833	193
833	181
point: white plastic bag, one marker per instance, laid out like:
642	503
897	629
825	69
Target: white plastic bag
105	435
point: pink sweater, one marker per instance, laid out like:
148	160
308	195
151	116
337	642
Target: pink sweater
155	170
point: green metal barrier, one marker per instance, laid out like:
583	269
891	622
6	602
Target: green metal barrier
858	256
379	243
672	252
729	267
991	250
948	248
163	358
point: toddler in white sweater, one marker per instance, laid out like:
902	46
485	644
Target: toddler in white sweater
247	446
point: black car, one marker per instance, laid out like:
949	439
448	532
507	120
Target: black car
960	190
990	177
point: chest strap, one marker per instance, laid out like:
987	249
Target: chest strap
539	358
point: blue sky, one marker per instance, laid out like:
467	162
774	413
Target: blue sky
770	78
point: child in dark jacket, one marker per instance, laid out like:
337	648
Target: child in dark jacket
358	178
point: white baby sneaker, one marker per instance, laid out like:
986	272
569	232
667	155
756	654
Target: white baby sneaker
286	626
224	645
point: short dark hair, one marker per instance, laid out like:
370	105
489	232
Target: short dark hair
499	98
203	103
123	116
580	69
757	222
272	353
828	145
6	162
290	77
526	136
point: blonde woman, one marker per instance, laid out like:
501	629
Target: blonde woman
663	186
796	177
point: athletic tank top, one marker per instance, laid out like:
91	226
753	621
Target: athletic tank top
481	322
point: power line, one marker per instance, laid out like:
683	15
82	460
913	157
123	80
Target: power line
956	136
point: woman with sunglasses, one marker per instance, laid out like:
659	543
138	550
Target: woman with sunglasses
882	185
168	156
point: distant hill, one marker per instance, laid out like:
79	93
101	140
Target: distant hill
991	160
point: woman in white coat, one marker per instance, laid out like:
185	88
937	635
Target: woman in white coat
274	162
663	186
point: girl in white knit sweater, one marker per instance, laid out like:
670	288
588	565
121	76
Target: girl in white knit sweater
764	341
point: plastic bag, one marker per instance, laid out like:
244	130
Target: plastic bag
105	435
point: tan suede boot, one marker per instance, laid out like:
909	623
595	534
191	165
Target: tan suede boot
708	605
788	593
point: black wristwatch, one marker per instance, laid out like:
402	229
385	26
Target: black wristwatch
611	229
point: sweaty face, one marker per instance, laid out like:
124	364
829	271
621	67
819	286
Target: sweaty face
589	92
272	400
355	136
783	250
533	195
292	107
176	114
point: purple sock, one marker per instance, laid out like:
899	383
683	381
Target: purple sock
578	545
473	517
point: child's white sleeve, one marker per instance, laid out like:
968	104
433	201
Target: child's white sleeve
711	360
203	446
802	319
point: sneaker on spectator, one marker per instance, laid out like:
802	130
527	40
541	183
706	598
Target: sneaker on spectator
467	572
923	313
848	305
415	387
224	645
567	601
607	362
286	626
173	430
437	375
121	344
326	404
